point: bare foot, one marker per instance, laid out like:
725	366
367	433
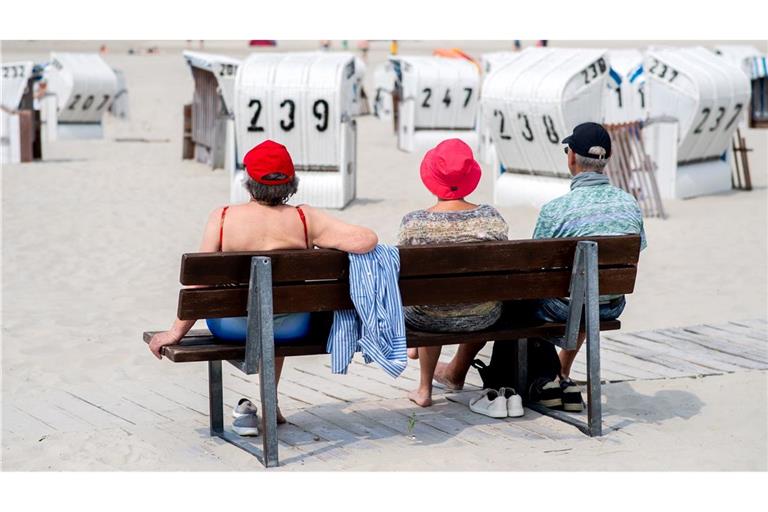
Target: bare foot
280	418
441	376
413	353
420	398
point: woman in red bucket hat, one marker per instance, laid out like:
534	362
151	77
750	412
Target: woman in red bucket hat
267	223
450	172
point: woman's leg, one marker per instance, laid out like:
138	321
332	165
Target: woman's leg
452	374
428	357
278	370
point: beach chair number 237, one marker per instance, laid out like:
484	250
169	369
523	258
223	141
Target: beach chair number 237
320	111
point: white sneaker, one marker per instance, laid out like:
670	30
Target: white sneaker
514	402
247	425
243	408
489	403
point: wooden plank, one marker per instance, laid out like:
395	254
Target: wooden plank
636	349
197	303
676	359
629	365
23	423
383	413
740	330
201	347
693	352
431	260
721	347
336	434
359	425
371	388
737	341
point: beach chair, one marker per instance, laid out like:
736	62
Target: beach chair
260	284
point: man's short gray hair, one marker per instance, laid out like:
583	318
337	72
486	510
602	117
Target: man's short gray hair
591	164
271	195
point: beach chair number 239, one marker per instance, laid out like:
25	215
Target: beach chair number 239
320	111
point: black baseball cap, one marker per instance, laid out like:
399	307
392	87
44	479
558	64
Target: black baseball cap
589	136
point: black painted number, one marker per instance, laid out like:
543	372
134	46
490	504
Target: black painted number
549	125
618	95
500	115
721	113
288	126
254	126
468	90
13	71
705	112
74	102
88	102
738	108
320	110
103	103
447	98
427	94
527	132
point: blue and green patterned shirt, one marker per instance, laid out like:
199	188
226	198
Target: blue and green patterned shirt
591	210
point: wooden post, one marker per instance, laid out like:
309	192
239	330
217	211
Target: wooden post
187	145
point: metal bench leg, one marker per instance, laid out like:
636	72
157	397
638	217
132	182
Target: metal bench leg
521	360
592	320
268	388
584	296
215	398
260	352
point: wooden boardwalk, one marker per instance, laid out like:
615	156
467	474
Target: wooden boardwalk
333	417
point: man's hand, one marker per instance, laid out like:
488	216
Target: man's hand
160	340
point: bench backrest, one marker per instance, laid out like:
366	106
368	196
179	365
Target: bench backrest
317	280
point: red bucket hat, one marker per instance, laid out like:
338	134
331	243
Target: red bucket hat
267	158
449	170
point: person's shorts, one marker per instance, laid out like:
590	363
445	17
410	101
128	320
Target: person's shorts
286	327
556	310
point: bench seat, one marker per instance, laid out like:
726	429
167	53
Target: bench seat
200	345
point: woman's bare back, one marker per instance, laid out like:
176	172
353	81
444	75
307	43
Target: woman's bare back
255	227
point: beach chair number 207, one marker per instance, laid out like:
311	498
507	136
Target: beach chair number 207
320	111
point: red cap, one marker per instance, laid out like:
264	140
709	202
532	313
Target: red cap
449	170
267	158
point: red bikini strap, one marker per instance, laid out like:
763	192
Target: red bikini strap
304	222
221	228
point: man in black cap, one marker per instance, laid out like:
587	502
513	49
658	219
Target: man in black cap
592	207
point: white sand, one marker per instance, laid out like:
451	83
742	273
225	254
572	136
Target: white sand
92	239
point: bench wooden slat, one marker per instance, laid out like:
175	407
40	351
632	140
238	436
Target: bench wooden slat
195	303
301	265
200	345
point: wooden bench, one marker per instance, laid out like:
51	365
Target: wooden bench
263	283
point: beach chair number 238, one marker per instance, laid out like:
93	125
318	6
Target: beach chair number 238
525	124
320	111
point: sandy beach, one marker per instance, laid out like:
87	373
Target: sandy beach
92	238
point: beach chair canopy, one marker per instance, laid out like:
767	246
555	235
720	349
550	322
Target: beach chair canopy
532	102
445	91
222	68
84	86
624	93
706	93
15	78
299	100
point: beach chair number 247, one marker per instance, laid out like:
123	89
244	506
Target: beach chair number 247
320	111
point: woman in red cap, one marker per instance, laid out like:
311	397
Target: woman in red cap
267	223
451	173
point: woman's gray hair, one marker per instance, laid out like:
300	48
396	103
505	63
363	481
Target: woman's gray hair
590	164
271	195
